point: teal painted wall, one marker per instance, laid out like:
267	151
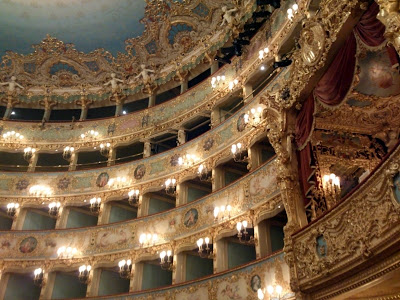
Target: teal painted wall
117	214
239	254
21	287
194	194
80	219
36	221
154	276
156	205
277	236
231	177
111	283
5	223
197	267
68	286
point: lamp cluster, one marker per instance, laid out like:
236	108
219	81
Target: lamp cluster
12	209
38	276
263	52
254	116
277	291
331	187
222	212
205	250
238	153
118	182
84	273
90	135
170	186
12	136
188	160
95	205
28	153
203	173
233	84
40	191
125	268
54	208
105	149
66	252
68	151
166	260
292	11
133	197
243	235
147	239
217	81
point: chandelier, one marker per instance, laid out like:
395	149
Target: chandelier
125	268
222	212
217	81
204	247
90	135
12	136
40	191
66	252
263	52
147	239
203	173
95	205
273	292
38	277
254	116
243	235
12	209
54	208
67	154
188	160
292	11
133	197
238	153
28	153
105	149
166	260
84	273
170	186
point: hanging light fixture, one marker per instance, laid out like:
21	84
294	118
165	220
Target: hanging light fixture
84	273
133	197
12	209
28	153
170	186
262	53
205	250
238	153
203	173
166	262
125	268
105	149
68	152
54	208
254	116
243	235
38	276
95	205
222	212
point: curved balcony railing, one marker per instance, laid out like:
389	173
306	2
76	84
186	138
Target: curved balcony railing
256	191
358	239
158	118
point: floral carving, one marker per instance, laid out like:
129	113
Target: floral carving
208	144
22	184
64	183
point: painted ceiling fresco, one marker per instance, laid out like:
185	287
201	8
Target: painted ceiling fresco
89	24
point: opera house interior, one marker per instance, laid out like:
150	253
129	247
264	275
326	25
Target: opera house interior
199	149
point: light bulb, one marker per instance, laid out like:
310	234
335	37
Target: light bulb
128	262
278	289
244	224
169	253
239	226
270	289
163	254
216	212
88	268
260	294
207	240
295	7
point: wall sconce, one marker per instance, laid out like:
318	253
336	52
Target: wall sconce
84	273
331	187
95	205
273	292
237	152
188	160
125	268
28	153
203	172
254	116
222	212
40	191
243	235
170	186
217	81
105	149
12	209
66	252
12	136
90	135
166	262
233	84
118	182
263	53
147	239
292	11
133	197
54	208
67	154
38	277
204	251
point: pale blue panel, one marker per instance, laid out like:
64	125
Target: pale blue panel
36	221
111	283
277	236
67	286
80	219
197	267
154	277
118	213
5	223
239	254
156	205
194	194
21	287
231	177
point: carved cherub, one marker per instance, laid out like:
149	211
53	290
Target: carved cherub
145	74
229	16
114	82
12	84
